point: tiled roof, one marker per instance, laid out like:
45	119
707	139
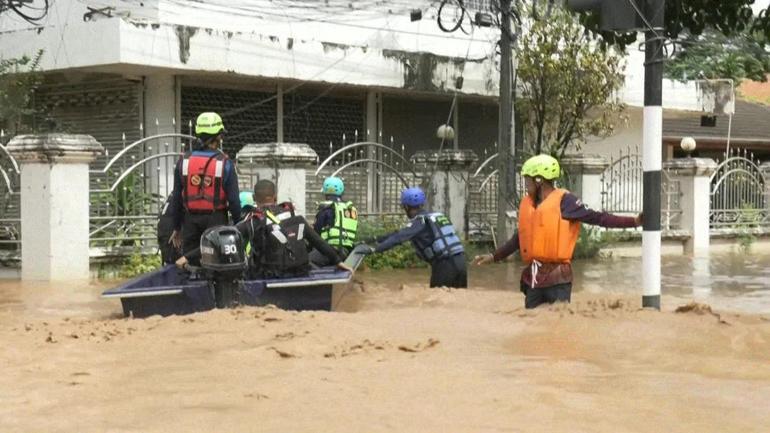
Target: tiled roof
751	122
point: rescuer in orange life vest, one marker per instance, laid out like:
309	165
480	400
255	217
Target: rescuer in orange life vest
549	225
205	186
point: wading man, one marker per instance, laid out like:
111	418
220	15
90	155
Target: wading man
549	226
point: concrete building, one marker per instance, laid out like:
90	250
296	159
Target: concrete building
286	71
277	70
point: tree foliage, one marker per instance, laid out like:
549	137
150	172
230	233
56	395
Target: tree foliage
694	17
566	84
19	78
713	55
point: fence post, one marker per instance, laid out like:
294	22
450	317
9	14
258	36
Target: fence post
283	163
449	177
694	176
54	204
584	175
765	169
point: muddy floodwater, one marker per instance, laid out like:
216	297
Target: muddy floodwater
398	356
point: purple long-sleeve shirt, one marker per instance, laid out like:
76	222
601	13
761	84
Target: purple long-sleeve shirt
574	210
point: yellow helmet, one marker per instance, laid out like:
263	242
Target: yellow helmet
209	123
545	166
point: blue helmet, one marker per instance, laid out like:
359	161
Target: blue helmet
333	186
412	197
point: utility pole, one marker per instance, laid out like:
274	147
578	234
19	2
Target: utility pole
505	149
624	16
652	153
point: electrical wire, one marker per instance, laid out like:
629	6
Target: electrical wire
306	105
32	19
267	14
287	91
451	110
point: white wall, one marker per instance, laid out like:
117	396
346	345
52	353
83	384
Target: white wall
627	135
347	48
676	95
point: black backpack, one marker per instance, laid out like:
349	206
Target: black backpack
282	248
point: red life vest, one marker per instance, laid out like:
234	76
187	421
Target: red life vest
203	190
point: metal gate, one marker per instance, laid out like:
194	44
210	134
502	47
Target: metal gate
374	176
127	194
622	189
10	205
739	193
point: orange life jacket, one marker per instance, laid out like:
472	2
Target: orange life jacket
203	189
543	234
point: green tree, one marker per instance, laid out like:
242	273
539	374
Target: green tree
19	78
694	17
566	83
714	55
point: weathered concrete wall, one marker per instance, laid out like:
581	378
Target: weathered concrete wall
283	163
384	50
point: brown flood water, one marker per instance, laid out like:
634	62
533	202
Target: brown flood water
401	357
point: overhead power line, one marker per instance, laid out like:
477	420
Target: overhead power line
26	9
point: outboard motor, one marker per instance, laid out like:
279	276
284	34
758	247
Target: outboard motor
223	261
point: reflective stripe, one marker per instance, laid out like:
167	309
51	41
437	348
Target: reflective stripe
185	164
301	232
445	240
272	217
279	235
218	168
342	232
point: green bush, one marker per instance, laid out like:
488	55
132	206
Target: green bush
748	217
590	242
138	263
400	257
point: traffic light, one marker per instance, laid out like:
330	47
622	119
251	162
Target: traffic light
614	15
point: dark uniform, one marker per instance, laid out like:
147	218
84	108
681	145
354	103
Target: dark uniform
205	187
435	241
279	242
168	253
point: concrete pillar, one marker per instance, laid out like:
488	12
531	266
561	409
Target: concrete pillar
54	204
449	182
694	176
285	164
584	175
162	102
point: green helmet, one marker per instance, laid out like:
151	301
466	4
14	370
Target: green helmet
209	124
545	166
247	199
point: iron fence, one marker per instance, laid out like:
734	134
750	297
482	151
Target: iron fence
481	203
622	189
374	175
10	204
128	192
739	193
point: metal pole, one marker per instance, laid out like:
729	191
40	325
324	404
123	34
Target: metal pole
279	113
729	131
505	121
652	153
